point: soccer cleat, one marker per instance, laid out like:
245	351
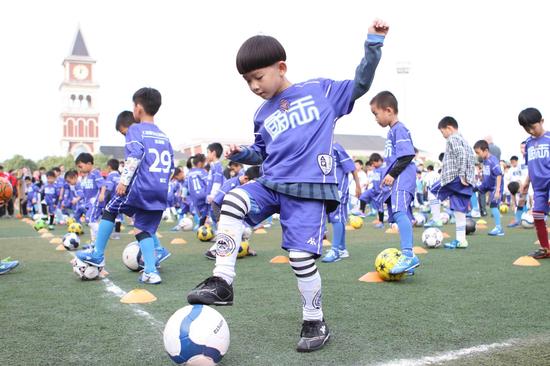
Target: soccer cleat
115	236
405	264
212	291
175	228
6	266
251	253
51	227
380	225
475	214
210	254
313	336
88	257
513	224
331	256
152	278
497	231
540	253
343	253
456	244
433	223
162	254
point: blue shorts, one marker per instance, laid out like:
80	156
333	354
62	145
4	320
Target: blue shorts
302	220
492	201
458	194
370	197
340	215
144	220
540	201
397	201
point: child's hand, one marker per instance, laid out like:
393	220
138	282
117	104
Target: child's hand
379	27
121	189
463	181
233	149
388	180
101	197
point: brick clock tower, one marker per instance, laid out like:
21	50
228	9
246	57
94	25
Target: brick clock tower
79	116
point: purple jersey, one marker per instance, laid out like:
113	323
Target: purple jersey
491	170
295	129
344	166
51	193
91	184
398	144
538	160
196	185
149	186
376	178
111	182
173	191
215	178
32	193
226	187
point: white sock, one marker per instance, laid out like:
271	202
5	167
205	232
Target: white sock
460	226
235	206
434	206
94	226
309	284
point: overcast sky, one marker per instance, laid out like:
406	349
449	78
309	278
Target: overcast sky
479	61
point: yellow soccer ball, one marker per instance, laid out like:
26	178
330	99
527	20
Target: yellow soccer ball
70	221
205	233
385	261
76	228
503	208
356	222
243	249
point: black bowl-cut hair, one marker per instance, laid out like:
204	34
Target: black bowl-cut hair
529	116
258	52
149	98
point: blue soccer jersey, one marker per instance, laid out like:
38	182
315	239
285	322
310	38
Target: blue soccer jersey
226	187
491	170
376	178
90	185
398	144
111	182
537	155
215	178
51	194
295	129
344	166
149	186
196	185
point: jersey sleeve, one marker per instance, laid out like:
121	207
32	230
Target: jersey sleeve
134	146
98	179
496	169
339	95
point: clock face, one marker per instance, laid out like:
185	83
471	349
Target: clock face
80	72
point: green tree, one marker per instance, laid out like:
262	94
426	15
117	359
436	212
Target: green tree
19	161
50	162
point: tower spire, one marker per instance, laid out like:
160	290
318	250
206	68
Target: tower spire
79	46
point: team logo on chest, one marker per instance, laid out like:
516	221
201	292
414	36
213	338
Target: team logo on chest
325	163
291	115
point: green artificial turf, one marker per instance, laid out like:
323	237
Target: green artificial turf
457	299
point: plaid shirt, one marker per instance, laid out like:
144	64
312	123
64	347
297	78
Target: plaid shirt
459	160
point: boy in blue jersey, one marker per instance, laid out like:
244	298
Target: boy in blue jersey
73	197
50	195
142	190
537	156
457	178
338	218
215	175
108	191
399	177
91	183
370	196
196	183
293	131
31	192
493	182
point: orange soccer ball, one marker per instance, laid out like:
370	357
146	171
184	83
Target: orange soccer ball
6	190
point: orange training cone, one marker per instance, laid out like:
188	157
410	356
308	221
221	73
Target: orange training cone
43	231
178	241
327	243
446	236
526	261
392	230
103	273
371	277
260	231
56	241
60	247
349	228
46	236
279	259
419	250
159	235
138	296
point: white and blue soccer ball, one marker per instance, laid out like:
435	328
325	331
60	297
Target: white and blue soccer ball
445	217
432	237
419	219
85	271
196	335
71	241
186	224
131	257
247	233
527	220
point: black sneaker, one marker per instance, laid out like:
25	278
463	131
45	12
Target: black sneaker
212	291
210	254
540	253
314	335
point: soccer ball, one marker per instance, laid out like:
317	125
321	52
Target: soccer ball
186	224
205	233
247	233
385	261
76	228
419	219
70	221
444	218
71	241
6	190
131	257
503	208
470	226
85	271
432	237
196	335
356	222
243	249
39	224
527	220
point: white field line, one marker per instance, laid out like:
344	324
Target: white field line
450	355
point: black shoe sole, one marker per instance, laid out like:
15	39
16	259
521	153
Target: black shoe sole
307	350
197	301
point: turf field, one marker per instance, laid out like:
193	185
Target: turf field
472	301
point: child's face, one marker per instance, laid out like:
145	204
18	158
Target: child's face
483	154
447	131
358	167
71	180
211	156
50	180
384	116
84	168
267	81
514	163
536	129
377	164
180	176
123	130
